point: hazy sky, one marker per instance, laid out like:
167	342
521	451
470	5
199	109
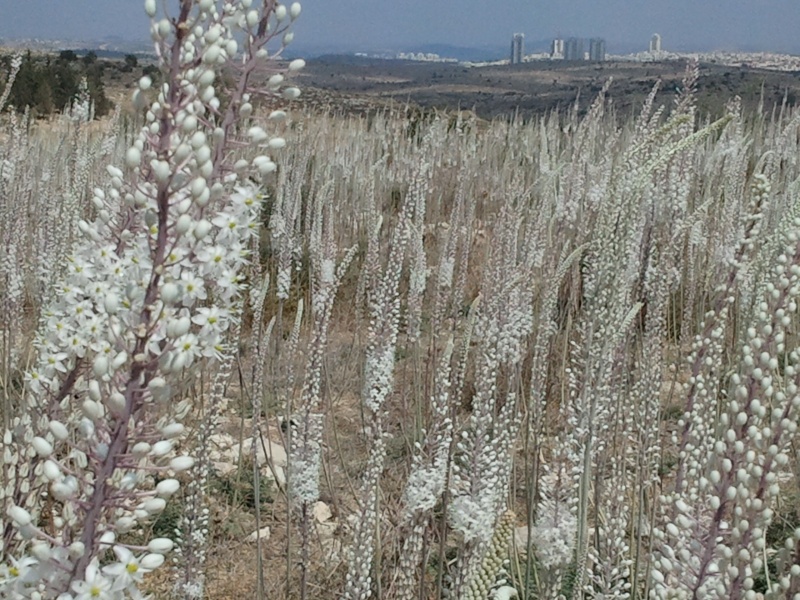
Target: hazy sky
393	24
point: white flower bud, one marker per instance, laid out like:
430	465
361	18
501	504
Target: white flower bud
139	199
120	359
277	143
183	224
275	81
198	140
257	134
181	463
141	449
62	491
208	93
58	430
42	447
211	55
167	488
160	545
170	293
198	186
189	124
172	430
133	157
92	409
280	12
111	303
94	390
297	64
161	448
85	228
100	365
52	471
277	115
288	37
150	8
182	152
19	515
206	78
252	18
295	9
161	170
116	402
204	197
202	228
163	28
264	165
151	561
107	540
291	93
203	155
178	327
155	505
184	206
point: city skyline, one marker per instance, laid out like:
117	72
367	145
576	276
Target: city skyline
768	25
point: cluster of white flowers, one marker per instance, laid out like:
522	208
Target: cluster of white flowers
305	459
98	322
151	290
115	580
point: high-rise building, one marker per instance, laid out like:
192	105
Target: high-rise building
597	49
573	49
655	43
517	48
557	49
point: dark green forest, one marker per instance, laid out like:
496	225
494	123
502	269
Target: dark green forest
49	84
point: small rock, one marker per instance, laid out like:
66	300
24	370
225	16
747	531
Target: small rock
223	468
275	473
275	453
321	512
262	533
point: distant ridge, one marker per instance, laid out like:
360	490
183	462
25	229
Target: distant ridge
462	53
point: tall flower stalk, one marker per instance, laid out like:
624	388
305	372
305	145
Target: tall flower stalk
150	292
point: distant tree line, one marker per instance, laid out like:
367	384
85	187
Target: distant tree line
48	84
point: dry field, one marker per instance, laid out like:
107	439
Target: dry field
411	354
535	88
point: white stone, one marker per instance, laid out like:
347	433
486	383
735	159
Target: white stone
275	453
321	512
262	533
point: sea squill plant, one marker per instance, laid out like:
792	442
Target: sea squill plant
305	454
711	543
150	292
378	386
